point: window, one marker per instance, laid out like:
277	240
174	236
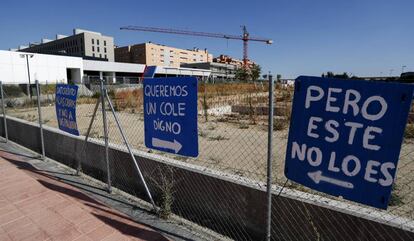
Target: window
93	41
171	62
93	54
106	56
97	41
100	55
97	49
93	48
105	43
105	50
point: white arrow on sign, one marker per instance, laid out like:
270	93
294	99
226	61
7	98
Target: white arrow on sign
318	177
175	146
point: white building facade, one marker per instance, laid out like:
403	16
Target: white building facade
43	67
14	68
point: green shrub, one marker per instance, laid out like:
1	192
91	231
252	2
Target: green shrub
48	89
279	124
96	95
409	131
13	91
395	199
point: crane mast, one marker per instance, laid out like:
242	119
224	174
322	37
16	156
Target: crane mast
245	46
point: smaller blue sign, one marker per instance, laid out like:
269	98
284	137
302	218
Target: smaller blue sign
345	137
149	71
66	96
170	115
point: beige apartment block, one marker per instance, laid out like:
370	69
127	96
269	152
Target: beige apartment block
160	55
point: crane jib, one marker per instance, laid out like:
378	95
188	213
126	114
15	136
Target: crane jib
245	37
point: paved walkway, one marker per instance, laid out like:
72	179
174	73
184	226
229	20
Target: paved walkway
36	206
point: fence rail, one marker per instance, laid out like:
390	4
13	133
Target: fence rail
234	133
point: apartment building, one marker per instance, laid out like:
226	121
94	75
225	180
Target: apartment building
82	43
160	55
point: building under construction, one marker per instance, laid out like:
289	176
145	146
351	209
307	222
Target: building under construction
160	55
225	59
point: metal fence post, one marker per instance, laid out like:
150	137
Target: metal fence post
269	160
103	94
6	134
40	118
205	105
47	91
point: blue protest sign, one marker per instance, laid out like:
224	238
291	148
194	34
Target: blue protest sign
345	137
170	115
66	108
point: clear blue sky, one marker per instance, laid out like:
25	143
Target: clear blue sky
363	37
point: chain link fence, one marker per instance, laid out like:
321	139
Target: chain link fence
233	132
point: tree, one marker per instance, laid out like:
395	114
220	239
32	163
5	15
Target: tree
342	76
255	72
330	74
278	77
242	74
246	74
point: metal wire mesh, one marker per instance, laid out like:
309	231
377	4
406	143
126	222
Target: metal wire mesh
232	122
324	224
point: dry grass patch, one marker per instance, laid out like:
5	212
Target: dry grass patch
128	99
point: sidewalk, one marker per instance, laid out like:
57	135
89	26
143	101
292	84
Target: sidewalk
36	206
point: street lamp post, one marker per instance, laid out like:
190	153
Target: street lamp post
27	56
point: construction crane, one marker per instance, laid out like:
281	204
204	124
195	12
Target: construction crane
245	37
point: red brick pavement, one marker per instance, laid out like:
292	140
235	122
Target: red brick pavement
35	206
